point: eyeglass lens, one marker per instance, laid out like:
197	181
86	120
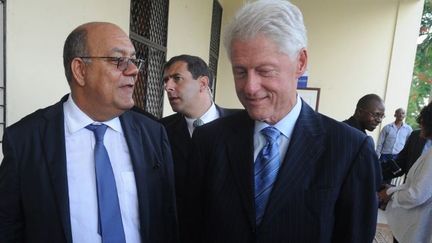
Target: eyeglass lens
123	63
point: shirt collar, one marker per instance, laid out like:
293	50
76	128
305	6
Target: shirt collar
210	115
286	124
76	119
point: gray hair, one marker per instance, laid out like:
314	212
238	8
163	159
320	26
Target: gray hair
278	20
75	46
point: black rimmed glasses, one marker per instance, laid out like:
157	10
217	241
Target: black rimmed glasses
376	115
122	62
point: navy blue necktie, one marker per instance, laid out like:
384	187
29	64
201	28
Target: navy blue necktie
266	170
110	221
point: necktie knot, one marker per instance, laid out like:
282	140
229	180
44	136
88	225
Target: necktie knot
271	134
198	122
98	130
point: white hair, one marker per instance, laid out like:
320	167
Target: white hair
277	20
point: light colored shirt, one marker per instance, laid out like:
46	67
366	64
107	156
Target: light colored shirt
392	139
285	126
210	115
409	212
81	176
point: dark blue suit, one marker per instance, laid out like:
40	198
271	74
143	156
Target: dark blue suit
325	190
34	204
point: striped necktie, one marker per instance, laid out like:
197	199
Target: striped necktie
266	169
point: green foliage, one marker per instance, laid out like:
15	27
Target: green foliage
421	86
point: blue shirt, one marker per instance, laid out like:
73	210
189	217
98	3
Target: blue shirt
392	139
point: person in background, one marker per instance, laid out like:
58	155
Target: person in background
409	208
278	171
187	81
368	114
87	169
392	137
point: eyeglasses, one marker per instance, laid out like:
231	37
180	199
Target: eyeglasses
122	62
376	115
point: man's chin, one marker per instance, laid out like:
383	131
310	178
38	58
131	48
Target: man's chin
370	129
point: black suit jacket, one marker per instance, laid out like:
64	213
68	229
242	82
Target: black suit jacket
180	140
411	152
325	190
34	204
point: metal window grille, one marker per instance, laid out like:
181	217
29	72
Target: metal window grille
148	32
214	42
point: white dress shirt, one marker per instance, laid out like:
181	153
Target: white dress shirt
285	126
210	115
81	176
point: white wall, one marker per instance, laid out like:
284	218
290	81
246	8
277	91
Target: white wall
36	31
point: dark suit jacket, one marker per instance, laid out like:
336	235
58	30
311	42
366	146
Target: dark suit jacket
34	204
180	140
325	190
411	152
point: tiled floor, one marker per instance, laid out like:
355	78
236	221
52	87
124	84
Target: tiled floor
383	233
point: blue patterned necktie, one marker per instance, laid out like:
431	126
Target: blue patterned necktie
110	221
266	169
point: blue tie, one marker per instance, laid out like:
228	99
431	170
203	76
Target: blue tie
266	170
110	221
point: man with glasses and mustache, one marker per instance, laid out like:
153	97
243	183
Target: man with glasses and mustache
368	114
87	169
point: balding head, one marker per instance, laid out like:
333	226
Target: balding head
81	39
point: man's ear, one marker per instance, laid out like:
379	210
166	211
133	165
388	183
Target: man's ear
204	83
301	62
78	67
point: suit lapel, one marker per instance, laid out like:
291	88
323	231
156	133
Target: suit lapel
240	156
181	137
53	142
305	147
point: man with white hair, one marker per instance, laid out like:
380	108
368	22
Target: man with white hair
277	172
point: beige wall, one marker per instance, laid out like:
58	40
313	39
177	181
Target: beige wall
360	47
36	31
189	27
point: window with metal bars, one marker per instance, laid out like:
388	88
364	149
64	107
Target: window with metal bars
214	42
148	32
